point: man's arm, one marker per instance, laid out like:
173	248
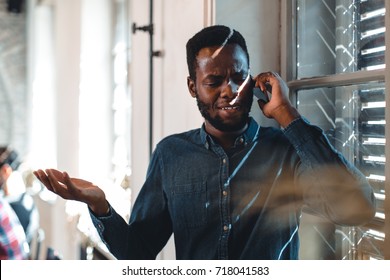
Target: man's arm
149	228
330	185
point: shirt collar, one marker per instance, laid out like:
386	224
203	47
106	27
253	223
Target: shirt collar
245	138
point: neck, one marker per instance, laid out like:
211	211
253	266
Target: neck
224	138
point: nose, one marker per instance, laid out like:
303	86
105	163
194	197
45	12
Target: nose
230	90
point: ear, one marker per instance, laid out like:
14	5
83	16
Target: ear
191	86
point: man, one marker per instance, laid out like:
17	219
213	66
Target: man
231	189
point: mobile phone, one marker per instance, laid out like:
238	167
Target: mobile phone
260	94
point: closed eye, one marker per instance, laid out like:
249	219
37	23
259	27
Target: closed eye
213	82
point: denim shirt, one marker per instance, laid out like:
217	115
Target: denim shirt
244	203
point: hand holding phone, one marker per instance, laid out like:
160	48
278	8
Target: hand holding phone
273	98
260	94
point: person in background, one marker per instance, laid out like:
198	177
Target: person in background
13	244
14	191
231	189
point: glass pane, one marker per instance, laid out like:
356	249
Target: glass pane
338	36
353	117
121	96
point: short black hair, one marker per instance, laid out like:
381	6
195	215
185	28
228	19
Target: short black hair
215	35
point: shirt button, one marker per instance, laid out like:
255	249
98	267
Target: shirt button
225	228
224	193
224	161
241	140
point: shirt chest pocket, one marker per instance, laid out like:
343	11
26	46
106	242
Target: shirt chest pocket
189	205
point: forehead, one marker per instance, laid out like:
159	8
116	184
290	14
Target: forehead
216	58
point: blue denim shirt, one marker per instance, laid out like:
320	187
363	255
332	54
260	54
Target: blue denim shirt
244	203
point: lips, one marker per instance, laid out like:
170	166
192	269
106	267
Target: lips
229	108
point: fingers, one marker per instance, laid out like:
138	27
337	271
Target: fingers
58	175
54	181
271	82
68	182
266	78
42	176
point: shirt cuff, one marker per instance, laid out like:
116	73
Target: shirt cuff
294	123
105	216
300	131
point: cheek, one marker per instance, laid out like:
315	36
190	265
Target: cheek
207	96
247	98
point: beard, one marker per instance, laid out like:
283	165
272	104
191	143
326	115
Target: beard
218	122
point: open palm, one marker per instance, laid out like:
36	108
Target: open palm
73	188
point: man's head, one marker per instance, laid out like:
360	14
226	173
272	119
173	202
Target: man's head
215	35
219	78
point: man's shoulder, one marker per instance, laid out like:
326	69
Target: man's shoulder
274	137
192	135
271	132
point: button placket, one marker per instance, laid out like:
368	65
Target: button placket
225	198
225	210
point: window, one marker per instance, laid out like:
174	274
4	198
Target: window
121	105
339	81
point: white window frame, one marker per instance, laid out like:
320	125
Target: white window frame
288	71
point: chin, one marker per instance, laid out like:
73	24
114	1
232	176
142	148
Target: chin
229	126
